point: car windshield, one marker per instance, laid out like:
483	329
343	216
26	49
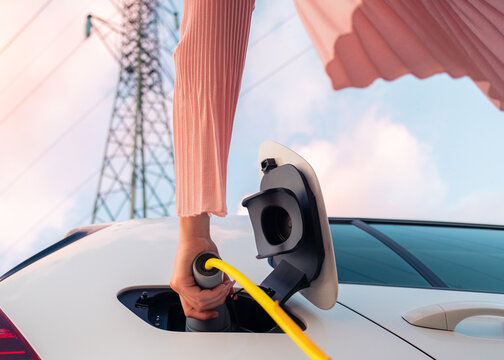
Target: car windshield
462	258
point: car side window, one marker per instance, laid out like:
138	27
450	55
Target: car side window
464	258
360	258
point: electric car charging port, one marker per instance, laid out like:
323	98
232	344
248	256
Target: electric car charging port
161	308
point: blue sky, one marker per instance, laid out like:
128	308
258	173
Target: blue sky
427	149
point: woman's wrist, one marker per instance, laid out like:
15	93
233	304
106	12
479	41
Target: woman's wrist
197	226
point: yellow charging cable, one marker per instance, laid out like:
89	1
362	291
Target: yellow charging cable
272	308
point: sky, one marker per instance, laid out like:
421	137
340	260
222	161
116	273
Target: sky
409	149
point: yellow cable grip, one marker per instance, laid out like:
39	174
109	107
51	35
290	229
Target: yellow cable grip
272	308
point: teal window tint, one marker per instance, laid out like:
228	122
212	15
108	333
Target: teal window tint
464	258
361	258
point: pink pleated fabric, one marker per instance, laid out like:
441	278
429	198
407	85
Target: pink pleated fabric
209	63
359	41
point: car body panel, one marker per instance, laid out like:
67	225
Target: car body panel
387	304
66	303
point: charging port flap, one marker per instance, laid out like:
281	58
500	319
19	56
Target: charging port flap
291	228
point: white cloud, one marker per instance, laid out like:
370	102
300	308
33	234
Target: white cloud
376	169
479	207
242	210
292	95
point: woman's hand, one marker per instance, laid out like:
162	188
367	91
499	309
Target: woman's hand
194	238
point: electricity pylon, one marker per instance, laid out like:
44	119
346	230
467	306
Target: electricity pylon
137	174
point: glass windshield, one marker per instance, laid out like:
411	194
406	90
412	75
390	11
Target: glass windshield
361	258
464	258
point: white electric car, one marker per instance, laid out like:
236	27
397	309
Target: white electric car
405	289
102	293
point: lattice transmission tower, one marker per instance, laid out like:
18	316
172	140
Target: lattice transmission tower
137	174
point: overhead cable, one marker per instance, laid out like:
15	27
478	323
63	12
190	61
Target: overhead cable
41	155
6	117
51	211
44	49
25	26
273	29
81	185
281	67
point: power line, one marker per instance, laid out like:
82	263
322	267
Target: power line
281	67
66	132
252	45
52	210
117	7
25	26
55	142
103	38
276	27
42	82
71	194
44	49
81	185
273	29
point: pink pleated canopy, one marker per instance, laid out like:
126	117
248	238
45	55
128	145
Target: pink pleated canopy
359	41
